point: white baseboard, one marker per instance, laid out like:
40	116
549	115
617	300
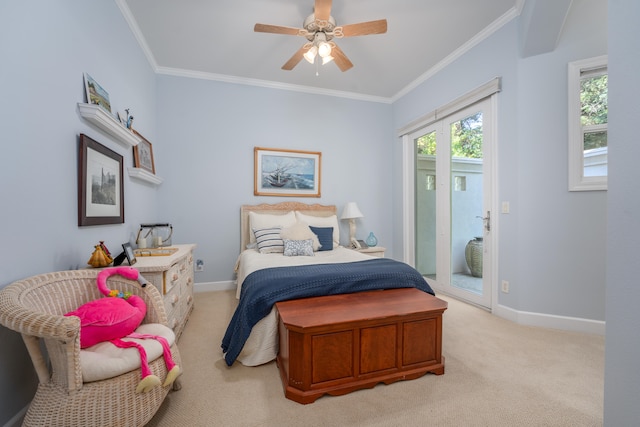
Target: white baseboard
214	286
565	323
528	318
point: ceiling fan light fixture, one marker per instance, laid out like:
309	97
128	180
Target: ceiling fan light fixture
319	31
310	55
324	49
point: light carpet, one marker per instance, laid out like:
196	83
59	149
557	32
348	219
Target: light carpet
497	373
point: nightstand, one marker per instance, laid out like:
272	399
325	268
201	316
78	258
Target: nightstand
373	251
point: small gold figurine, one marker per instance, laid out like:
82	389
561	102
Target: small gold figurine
100	256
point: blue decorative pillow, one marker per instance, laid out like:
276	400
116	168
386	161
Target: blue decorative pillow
325	236
269	240
298	247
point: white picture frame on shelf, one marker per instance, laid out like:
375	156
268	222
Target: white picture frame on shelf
96	95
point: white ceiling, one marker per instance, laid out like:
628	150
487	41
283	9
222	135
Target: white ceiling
215	39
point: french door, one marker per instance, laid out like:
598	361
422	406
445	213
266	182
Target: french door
452	200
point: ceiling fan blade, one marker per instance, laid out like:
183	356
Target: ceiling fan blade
322	9
296	58
365	28
276	29
340	58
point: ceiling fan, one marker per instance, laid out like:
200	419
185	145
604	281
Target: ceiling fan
320	29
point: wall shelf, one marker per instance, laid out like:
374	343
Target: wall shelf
144	175
108	123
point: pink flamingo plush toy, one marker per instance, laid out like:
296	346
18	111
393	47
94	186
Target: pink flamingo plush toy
116	317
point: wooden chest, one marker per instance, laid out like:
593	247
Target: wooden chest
340	343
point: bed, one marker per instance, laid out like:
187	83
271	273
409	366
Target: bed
267	274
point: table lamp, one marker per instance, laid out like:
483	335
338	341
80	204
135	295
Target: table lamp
351	212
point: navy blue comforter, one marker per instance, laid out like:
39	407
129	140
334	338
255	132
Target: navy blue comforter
263	288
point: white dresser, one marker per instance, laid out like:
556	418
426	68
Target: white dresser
173	276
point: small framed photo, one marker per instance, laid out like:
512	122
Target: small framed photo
279	172
143	154
96	95
100	184
128	252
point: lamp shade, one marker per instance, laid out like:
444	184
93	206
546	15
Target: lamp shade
324	49
310	55
351	211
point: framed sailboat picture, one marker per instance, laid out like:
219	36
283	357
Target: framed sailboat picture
282	172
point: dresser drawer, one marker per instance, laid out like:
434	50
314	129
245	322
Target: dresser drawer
172	304
171	277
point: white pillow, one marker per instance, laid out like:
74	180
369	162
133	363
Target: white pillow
300	231
105	360
322	221
259	221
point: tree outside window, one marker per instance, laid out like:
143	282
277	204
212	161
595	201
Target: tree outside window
588	117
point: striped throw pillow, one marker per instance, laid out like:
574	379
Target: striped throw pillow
269	240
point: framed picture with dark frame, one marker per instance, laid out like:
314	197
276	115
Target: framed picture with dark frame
100	184
281	172
143	154
128	252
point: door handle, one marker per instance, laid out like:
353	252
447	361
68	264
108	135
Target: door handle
486	220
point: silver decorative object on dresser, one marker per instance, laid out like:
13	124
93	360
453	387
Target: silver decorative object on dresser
172	274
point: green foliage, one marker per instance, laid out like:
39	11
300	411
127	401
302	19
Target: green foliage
594	109
593	100
466	139
426	144
595	140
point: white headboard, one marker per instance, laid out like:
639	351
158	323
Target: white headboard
279	208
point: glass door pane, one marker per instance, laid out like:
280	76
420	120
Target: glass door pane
452	199
466	162
425	197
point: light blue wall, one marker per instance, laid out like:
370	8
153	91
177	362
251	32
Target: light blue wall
205	154
622	378
552	244
203	134
45	47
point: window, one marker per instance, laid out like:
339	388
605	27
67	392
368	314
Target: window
588	110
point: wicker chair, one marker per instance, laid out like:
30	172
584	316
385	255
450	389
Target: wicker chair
34	307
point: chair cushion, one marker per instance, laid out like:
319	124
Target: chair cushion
105	360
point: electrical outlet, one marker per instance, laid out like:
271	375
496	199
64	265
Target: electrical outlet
199	265
505	286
